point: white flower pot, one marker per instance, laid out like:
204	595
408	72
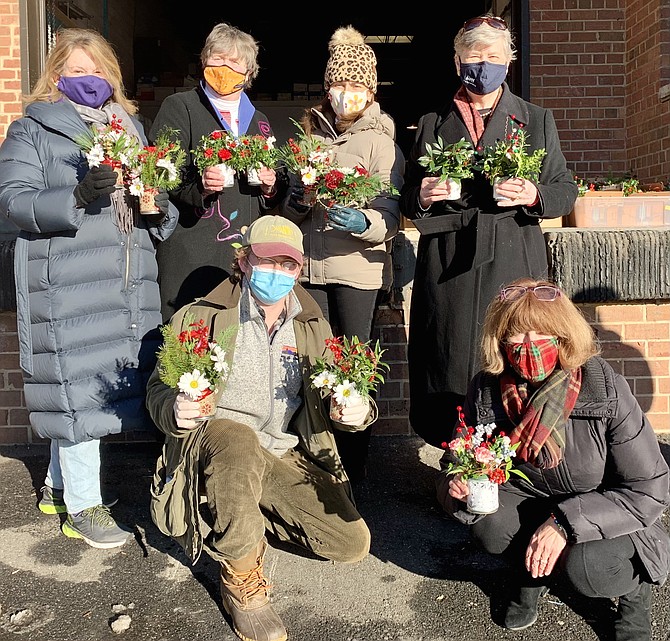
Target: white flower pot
228	174
252	177
496	182
454	188
482	496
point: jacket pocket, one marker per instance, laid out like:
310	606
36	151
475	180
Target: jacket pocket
168	498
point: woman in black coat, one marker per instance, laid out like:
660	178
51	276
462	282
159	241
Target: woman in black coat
470	246
598	482
200	253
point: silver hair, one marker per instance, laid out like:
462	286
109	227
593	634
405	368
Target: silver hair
483	35
226	39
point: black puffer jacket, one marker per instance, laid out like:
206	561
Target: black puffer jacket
612	480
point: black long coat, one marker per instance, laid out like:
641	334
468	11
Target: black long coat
200	252
470	247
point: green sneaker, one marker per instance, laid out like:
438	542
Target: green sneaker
52	501
96	526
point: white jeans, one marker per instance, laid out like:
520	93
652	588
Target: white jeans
75	468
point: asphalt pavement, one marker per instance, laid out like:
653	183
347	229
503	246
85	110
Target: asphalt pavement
424	580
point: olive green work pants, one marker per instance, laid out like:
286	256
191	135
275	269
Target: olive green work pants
250	490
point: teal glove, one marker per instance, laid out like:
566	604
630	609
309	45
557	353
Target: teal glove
347	219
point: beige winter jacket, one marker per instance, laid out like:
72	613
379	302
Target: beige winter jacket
361	260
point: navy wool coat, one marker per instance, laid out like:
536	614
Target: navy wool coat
88	306
469	247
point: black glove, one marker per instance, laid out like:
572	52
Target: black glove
295	199
162	201
97	182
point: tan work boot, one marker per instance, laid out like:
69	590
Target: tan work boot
244	591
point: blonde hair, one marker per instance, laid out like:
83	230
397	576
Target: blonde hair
483	35
99	50
559	317
226	39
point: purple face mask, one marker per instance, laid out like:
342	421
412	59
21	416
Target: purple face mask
90	91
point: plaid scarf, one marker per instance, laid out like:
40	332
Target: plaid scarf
541	419
471	117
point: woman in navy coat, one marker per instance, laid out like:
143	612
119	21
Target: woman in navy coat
88	305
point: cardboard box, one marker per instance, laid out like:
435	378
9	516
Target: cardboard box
613	209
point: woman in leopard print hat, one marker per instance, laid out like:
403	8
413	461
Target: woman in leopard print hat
347	250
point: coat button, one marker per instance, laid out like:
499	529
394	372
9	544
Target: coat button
133	326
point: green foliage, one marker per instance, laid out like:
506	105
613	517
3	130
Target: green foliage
455	160
349	360
184	351
509	159
159	165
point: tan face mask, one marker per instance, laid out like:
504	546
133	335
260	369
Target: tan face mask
224	80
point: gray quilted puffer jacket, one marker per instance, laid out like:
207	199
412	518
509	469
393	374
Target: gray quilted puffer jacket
88	305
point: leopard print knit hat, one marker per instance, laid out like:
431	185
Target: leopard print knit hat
350	59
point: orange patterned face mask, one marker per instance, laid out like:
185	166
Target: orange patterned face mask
224	80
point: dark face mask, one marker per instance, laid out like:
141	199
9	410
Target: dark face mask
90	91
482	77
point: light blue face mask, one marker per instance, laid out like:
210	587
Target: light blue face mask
270	285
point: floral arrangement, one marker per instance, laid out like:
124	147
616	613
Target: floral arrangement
190	362
216	148
481	454
254	152
509	158
351	371
306	157
350	187
158	166
109	144
454	161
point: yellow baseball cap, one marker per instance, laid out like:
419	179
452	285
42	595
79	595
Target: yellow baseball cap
274	236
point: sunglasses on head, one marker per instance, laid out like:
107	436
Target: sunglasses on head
491	21
541	292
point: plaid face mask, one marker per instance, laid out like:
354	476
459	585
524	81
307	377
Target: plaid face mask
533	360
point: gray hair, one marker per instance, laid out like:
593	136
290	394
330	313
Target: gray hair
483	35
226	39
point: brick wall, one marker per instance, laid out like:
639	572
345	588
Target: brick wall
10	64
601	66
647	75
577	69
635	340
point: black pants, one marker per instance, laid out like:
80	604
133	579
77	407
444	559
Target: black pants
602	568
434	416
350	312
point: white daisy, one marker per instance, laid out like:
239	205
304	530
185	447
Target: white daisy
136	187
308	175
324	379
346	394
95	156
193	384
169	165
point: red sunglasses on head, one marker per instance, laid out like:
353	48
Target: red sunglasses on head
491	21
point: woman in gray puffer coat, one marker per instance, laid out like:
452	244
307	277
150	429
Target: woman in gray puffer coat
598	482
88	306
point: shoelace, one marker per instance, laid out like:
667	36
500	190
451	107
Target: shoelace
99	515
251	583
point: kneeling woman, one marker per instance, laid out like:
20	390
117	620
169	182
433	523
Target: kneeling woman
599	483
